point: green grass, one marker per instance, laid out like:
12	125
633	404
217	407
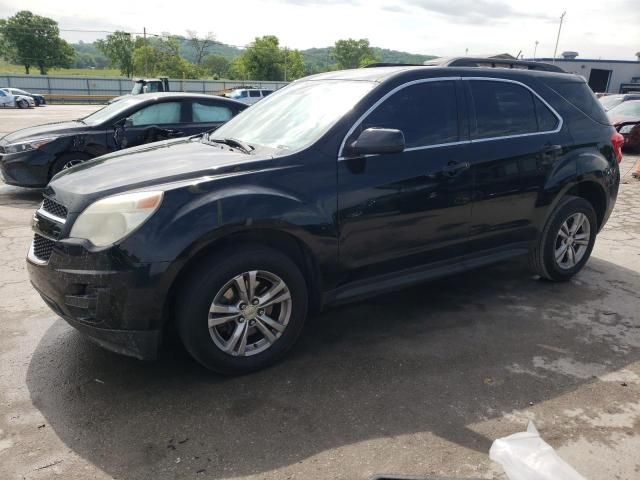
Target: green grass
107	72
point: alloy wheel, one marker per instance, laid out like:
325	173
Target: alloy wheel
250	313
572	241
72	163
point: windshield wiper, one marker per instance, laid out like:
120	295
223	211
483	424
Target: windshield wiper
233	142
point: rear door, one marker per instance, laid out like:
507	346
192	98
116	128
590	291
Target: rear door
406	209
206	115
516	138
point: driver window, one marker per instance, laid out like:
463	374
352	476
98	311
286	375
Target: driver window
426	113
157	114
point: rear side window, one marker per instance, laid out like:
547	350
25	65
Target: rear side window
205	112
503	109
157	114
580	96
254	93
426	113
266	92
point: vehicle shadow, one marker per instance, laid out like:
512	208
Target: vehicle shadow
19	197
434	358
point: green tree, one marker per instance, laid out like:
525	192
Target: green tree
118	48
216	65
32	40
352	53
162	58
294	64
264	59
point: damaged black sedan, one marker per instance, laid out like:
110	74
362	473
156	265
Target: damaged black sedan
31	157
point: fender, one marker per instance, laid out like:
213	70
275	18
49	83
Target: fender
580	167
232	209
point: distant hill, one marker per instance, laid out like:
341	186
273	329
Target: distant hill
315	59
319	59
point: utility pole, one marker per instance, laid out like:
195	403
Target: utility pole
144	33
285	64
535	49
555	50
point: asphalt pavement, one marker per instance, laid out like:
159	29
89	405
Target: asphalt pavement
417	382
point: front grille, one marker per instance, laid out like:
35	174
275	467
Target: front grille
42	247
54	208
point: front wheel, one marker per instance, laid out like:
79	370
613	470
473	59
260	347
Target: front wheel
242	310
567	240
67	161
23	104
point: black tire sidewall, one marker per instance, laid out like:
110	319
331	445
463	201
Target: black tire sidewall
202	286
571	207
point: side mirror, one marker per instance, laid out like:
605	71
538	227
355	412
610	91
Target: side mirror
128	122
377	141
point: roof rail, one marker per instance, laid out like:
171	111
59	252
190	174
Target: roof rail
488	62
383	64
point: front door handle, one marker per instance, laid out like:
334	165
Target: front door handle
452	169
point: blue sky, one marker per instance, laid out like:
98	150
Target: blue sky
439	27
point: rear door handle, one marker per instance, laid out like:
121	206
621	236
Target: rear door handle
454	168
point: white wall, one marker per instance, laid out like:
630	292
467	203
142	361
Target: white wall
620	72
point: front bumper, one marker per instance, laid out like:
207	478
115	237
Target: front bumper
116	302
27	169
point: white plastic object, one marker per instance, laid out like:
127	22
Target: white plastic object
526	456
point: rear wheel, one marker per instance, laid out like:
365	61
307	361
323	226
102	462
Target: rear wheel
242	310
567	240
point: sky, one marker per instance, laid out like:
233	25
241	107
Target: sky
595	29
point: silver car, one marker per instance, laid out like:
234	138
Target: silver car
8	99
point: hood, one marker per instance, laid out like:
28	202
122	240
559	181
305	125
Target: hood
46	130
149	165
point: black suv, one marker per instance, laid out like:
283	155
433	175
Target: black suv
339	186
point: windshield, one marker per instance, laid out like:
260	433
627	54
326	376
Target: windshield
110	112
628	109
610	101
297	115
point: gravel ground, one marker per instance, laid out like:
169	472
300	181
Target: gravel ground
416	382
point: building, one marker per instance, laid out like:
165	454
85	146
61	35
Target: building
603	76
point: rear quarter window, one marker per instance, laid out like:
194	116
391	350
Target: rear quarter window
581	97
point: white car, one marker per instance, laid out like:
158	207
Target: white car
8	99
248	96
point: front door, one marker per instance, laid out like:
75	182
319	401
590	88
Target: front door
403	210
152	123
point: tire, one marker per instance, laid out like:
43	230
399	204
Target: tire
23	104
214	280
552	243
65	160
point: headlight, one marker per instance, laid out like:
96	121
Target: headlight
26	146
627	128
108	220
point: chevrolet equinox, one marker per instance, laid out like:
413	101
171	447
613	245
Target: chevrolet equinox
339	186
